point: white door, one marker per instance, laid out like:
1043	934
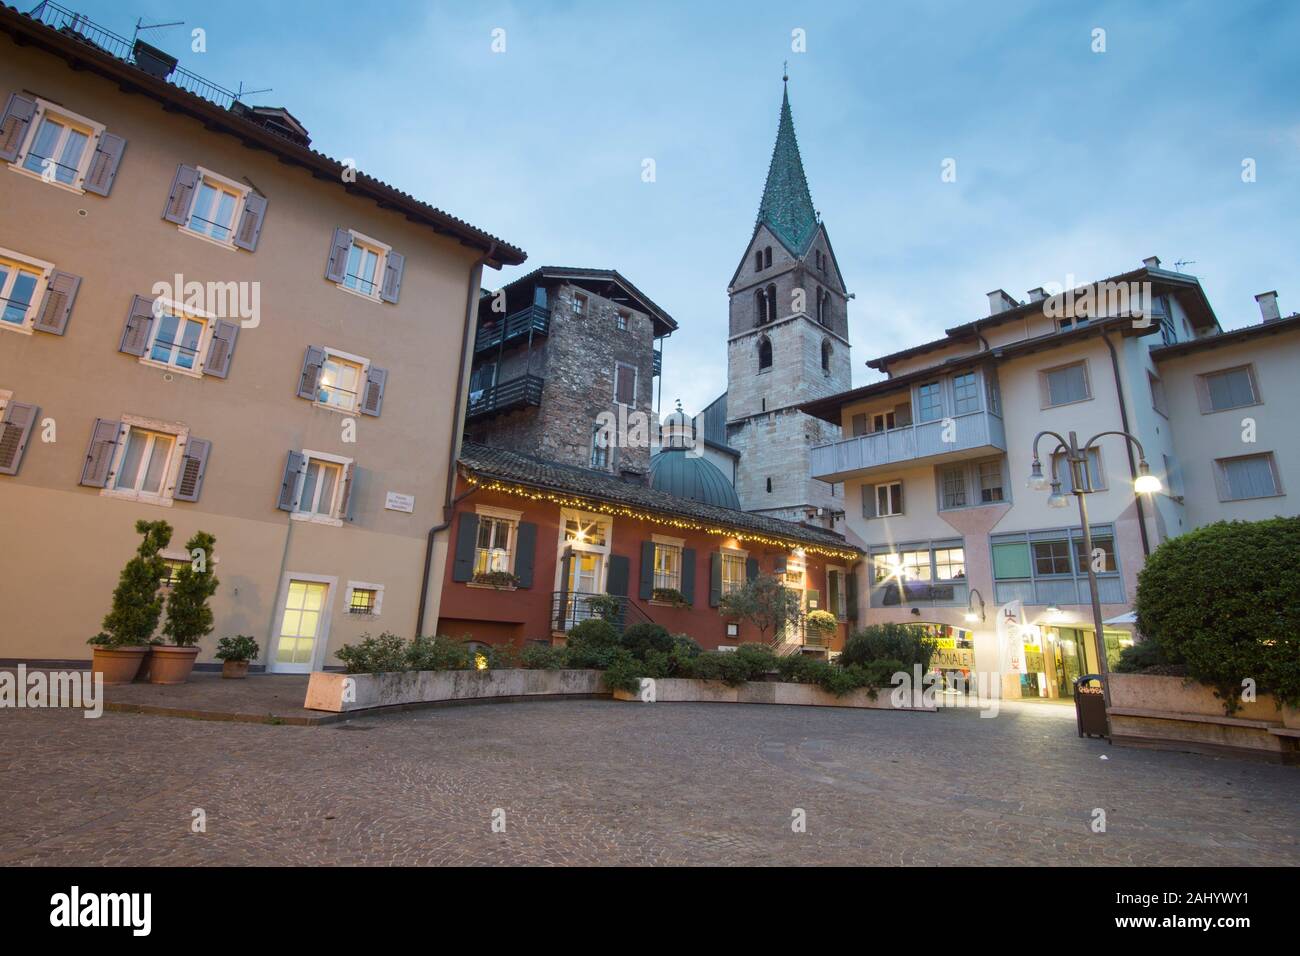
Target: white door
584	578
301	626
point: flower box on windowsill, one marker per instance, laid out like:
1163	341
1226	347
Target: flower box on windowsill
668	597
498	580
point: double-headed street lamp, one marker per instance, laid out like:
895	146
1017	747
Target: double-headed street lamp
1081	486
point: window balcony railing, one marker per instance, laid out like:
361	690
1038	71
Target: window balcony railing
569	608
535	319
507	396
961	436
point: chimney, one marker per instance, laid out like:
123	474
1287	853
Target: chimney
1037	295
1152	262
1268	306
999	301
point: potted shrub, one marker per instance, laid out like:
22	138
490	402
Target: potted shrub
188	616
234	654
820	625
119	649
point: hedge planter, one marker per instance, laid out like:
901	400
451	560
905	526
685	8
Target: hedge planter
685	690
169	664
119	665
345	693
234	670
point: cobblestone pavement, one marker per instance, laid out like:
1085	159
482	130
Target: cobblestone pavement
604	782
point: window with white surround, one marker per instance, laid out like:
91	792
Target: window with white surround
668	564
1227	388
146	460
178	339
363	270
22	285
322	487
733	571
494	548
342	377
59	146
364	599
216	208
889	499
836	594
1065	385
1247	476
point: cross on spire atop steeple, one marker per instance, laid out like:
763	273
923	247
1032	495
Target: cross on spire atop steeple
787	207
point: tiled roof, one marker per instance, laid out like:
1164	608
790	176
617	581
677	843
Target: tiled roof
484	461
787	206
576	274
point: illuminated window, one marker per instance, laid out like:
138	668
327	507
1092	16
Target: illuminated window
340	382
667	566
494	546
733	572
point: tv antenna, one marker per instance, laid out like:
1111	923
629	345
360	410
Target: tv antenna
141	26
243	92
1178	266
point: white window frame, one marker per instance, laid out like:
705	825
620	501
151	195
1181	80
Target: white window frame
44	270
597	445
334	518
636	373
604	550
841	610
340	355
511	519
86	125
322	632
883	418
733	554
163	307
180	433
677	545
1045	385
381	250
363	586
224	183
621	320
875	490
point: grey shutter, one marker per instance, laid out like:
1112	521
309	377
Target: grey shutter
372	401
99	455
289	485
194	463
647	579
139	322
394	263
859	424
778	564
851	596
13	125
688	575
462	567
181	196
250	222
868	501
221	348
56	306
103	165
715	579
309	381
751	568
902	415
525	552
561	606
620	573
902	501
15	428
336	266
347	507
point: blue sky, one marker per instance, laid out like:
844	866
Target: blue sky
1069	162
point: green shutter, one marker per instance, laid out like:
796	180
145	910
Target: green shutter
688	575
462	568
1010	560
715	579
620	569
647	579
525	552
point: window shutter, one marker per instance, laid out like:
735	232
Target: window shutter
620	573
15	427
394	263
250	222
347	506
99	456
293	467
309	381
688	575
221	349
902	503
859	424
751	568
373	397
715	579
139	323
647	580
902	415
181	197
340	247
13	125
103	165
462	568
56	306
526	553
869	500
778	564
851	596
194	464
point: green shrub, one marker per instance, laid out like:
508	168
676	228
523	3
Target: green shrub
137	605
822	622
374	655
638	639
438	654
241	647
747	662
1144	657
905	643
624	672
765	602
592	644
605	606
1225	600
543	657
188	616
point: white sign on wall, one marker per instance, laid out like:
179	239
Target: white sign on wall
399	502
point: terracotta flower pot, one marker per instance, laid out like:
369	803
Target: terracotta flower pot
118	665
234	670
169	664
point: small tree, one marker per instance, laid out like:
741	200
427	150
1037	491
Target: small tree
765	603
188	615
136	602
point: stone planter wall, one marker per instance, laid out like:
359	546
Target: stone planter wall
1170	713
684	690
326	689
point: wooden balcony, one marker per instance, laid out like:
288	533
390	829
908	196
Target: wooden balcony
972	435
507	396
533	320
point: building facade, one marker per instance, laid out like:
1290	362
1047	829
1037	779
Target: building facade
936	455
207	322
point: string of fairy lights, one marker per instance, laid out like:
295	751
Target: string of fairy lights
673	521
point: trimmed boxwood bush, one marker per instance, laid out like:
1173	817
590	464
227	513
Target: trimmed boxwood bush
1225	600
904	644
643	637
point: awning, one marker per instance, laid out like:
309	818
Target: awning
1129	618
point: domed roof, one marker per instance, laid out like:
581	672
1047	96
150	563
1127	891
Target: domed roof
676	472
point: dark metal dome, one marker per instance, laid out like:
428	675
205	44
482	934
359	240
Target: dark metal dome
676	472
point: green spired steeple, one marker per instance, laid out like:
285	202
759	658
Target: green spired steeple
787	207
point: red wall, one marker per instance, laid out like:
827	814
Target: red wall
503	616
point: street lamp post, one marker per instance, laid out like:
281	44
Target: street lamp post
1081	486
